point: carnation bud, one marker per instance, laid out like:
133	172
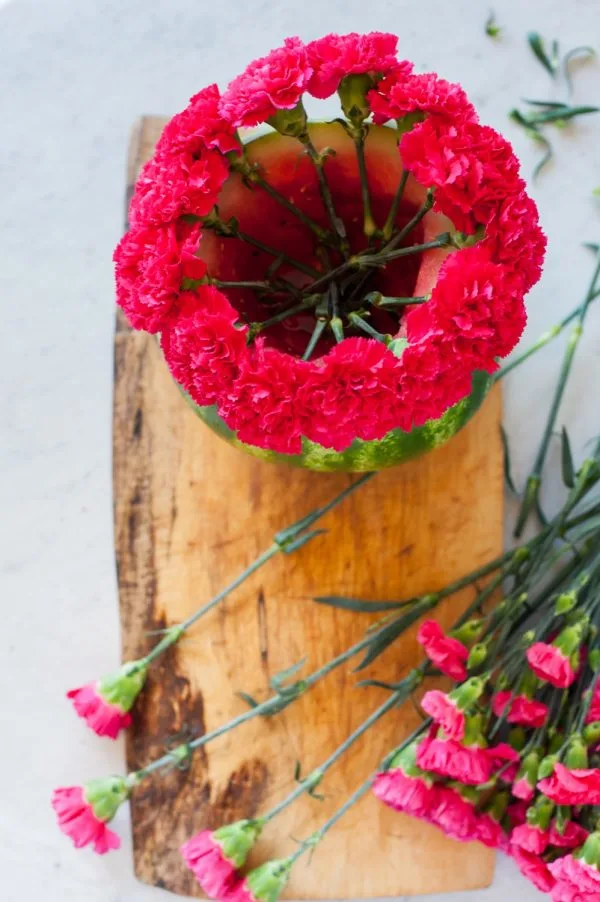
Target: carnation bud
353	91
528	637
528	684
577	755
546	768
570	638
237	839
590	852
561	818
477	656
106	795
565	602
540	813
268	880
594	659
468	631
502	681
591	733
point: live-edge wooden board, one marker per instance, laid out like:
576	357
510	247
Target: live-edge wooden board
190	514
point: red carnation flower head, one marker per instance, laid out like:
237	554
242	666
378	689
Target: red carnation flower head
455	814
569	836
578	875
84	811
576	786
214	857
448	654
550	663
405	787
337	56
269	84
469	764
527	776
531	838
151	263
319	238
105	704
534	868
522	710
199	126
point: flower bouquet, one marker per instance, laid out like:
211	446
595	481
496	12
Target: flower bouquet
421	243
331	294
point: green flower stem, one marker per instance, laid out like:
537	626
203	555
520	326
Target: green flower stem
320	325
532	489
287	540
388	228
412	223
385	256
273	705
306	304
380	300
369	224
337	224
262	286
285	258
364	326
397	697
542	341
322	234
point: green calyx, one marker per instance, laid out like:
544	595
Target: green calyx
292	123
353	91
123	687
540	813
590	852
106	795
406	759
469	692
569	640
577	754
268	880
236	840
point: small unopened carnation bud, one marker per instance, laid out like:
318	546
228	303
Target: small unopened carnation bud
577	753
291	123
540	813
528	637
565	602
477	656
591	733
469	692
353	91
468	631
547	766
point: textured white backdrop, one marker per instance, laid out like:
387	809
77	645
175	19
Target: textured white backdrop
74	74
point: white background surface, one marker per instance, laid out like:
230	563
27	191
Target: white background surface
74	74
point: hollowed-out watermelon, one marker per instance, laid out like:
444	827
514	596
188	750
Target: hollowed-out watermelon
288	169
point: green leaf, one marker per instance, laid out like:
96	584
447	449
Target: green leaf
290	546
357	604
547	155
492	29
507	468
592	247
251	702
549	62
392	687
560	114
280	678
568	469
585	52
551	104
388	634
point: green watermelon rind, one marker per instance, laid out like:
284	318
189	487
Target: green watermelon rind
362	456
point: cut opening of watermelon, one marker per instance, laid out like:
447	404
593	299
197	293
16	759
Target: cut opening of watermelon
283	162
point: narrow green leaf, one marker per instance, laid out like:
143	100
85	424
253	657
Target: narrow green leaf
492	29
294	545
550	63
592	247
551	104
392	687
578	533
568	469
284	675
581	52
547	155
390	633
507	468
358	604
560	114
298	772
251	702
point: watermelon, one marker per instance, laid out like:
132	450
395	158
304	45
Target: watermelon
287	168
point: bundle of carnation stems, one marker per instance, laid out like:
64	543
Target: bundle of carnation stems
508	755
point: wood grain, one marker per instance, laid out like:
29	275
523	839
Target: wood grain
190	513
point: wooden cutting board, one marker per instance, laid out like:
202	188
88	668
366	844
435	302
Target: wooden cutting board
190	514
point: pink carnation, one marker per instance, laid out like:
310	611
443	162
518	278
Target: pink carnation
261	405
490	833
271	83
200	125
572	787
522	789
150	264
412	795
173	186
104	718
205	858
444	712
402	92
448	654
504	759
467	764
572	836
204	348
525	711
575	873
351	393
531	838
534	868
549	663
76	819
593	713
335	56
472	167
454	815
